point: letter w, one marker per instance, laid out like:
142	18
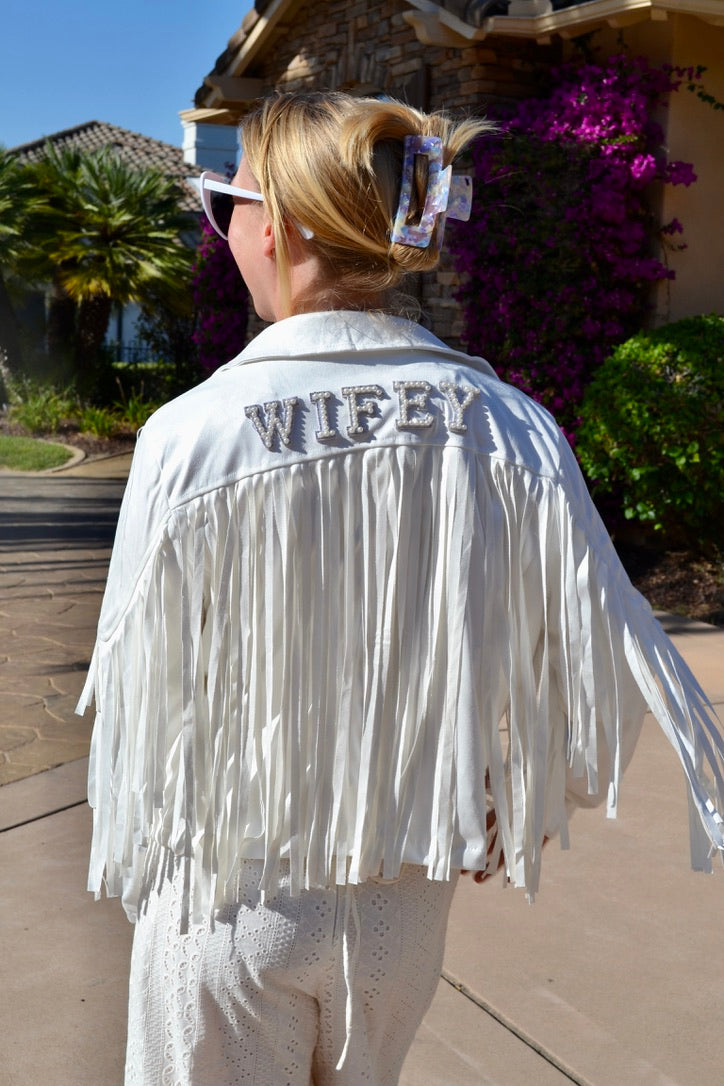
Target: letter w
273	423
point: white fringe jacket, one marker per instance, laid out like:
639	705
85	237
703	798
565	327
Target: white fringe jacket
358	594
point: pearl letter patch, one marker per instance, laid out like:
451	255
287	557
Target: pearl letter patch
359	407
416	403
458	407
282	426
325	431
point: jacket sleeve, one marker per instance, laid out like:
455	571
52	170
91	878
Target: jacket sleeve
613	662
144	510
112	678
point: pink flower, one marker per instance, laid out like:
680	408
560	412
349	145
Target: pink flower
643	168
680	173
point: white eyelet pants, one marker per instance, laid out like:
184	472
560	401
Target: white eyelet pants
277	994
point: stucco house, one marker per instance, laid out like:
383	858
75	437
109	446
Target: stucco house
463	53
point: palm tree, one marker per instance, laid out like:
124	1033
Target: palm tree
13	203
103	233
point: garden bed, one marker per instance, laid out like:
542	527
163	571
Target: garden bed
67	434
678	580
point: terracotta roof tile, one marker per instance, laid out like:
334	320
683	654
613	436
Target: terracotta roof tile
135	149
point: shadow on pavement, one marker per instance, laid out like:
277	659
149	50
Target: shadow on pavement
50	514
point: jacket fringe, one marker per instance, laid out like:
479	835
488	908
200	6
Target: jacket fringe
457	619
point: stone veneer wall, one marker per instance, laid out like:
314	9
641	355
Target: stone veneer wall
366	47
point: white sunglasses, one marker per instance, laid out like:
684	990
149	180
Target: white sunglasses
217	199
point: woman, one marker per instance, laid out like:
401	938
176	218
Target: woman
362	629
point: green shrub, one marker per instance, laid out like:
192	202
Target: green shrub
101	421
652	429
39	409
134	408
135	411
153	381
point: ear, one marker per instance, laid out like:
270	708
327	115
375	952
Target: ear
268	240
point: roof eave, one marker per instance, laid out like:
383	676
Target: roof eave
435	25
243	49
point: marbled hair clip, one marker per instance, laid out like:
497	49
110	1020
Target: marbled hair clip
446	195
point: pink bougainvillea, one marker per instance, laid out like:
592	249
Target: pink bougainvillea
563	247
221	301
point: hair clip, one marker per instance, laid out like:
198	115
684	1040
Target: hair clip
446	195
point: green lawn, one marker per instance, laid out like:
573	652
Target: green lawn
28	454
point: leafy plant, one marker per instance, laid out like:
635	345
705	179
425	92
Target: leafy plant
38	408
100	421
653	429
133	411
693	77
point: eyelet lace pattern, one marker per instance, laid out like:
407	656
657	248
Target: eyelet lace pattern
260	995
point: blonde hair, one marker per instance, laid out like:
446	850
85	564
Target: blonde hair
333	163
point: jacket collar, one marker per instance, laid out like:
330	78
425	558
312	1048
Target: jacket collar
340	332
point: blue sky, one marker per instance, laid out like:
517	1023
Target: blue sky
135	63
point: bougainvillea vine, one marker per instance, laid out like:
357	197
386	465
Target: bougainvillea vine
563	247
220	299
